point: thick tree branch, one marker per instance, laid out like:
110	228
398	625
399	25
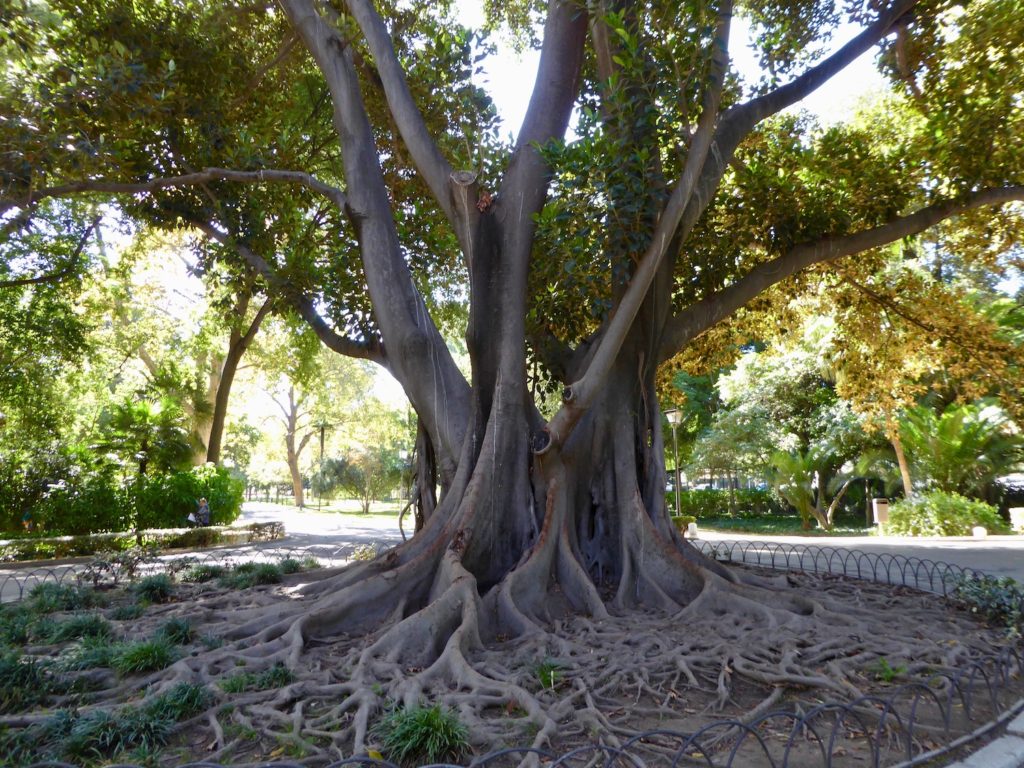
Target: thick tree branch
56	277
418	356
759	108
737	122
364	350
525	186
431	164
200	177
581	394
705	313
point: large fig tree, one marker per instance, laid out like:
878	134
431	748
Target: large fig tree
340	150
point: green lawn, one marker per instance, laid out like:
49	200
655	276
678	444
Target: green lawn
788	526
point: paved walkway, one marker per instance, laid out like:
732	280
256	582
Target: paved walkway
333	537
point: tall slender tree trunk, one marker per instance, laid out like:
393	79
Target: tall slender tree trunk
901	459
238	343
296	474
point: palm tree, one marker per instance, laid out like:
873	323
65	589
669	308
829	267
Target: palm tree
150	433
803	479
963	449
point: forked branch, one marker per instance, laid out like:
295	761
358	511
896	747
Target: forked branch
56	277
524	188
581	394
737	122
773	102
364	350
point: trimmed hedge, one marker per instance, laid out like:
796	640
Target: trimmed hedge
173	538
942	514
715	503
96	502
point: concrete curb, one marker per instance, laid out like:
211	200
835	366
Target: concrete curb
1005	752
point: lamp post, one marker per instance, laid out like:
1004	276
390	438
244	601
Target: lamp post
675	416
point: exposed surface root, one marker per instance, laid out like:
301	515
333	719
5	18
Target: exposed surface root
570	677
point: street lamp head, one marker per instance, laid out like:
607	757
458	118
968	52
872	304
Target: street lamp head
674	416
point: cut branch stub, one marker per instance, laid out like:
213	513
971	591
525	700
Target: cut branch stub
540	442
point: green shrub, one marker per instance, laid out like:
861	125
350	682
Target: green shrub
88	625
90	498
144	656
310	563
50	598
199	574
422	735
999	600
157	588
85	500
88	653
712	503
364	553
942	514
248	575
165	501
176	631
24	683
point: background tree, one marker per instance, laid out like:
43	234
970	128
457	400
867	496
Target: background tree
310	387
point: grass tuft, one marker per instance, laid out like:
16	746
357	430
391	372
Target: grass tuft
276	676
549	674
88	653
15	625
127	612
199	574
422	735
177	631
181	702
24	683
74	628
144	656
248	575
101	734
158	588
51	598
